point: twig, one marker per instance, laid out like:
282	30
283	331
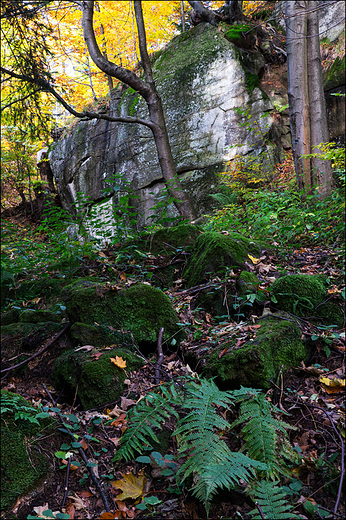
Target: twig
57	336
160	353
260	511
82	454
66	482
75	395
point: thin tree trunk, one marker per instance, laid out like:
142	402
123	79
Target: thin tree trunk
104	46
321	169
298	93
182	16
148	91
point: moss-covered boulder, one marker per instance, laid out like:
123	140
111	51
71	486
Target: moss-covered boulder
39	316
277	344
98	379
140	309
99	335
171	241
306	295
22	466
24	337
213	252
11	316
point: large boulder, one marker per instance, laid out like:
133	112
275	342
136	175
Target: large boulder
139	308
90	373
23	464
277	345
214	252
306	295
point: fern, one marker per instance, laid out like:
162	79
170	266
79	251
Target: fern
261	439
199	435
271	500
209	457
151	412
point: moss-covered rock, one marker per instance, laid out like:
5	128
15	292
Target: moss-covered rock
140	309
39	316
277	344
173	240
213	252
22	467
24	337
306	295
11	316
99	380
247	283
99	335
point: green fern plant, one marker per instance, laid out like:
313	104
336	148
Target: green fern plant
265	437
200	430
151	412
271	500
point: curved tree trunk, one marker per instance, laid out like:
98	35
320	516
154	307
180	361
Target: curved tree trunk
148	91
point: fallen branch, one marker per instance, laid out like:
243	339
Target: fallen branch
82	454
39	352
160	360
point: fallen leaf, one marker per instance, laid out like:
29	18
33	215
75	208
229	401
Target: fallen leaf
70	509
132	486
97	355
253	259
72	466
239	342
110	515
223	352
78	502
118	361
332	382
85	347
125	403
39	509
85	494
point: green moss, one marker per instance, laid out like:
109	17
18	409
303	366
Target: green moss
140	309
19	337
235	32
247	283
98	335
169	240
39	316
213	252
251	81
22	467
99	381
306	295
11	316
335	75
277	344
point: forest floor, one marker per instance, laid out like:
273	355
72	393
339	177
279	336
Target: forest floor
316	410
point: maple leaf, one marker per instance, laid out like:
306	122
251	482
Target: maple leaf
118	361
132	486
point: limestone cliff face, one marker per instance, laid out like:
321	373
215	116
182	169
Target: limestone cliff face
203	79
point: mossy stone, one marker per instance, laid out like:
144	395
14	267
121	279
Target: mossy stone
98	335
140	309
247	283
9	317
257	362
22	467
39	316
306	295
213	252
19	337
99	381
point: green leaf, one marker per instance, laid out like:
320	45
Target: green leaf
143	459
60	454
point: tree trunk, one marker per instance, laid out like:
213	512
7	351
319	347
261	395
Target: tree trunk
298	93
148	91
321	169
307	111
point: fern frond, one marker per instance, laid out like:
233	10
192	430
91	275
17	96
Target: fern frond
225	474
271	499
151	412
260	433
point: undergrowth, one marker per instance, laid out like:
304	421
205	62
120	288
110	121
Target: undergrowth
208	464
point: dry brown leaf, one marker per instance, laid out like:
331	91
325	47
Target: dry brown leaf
125	403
